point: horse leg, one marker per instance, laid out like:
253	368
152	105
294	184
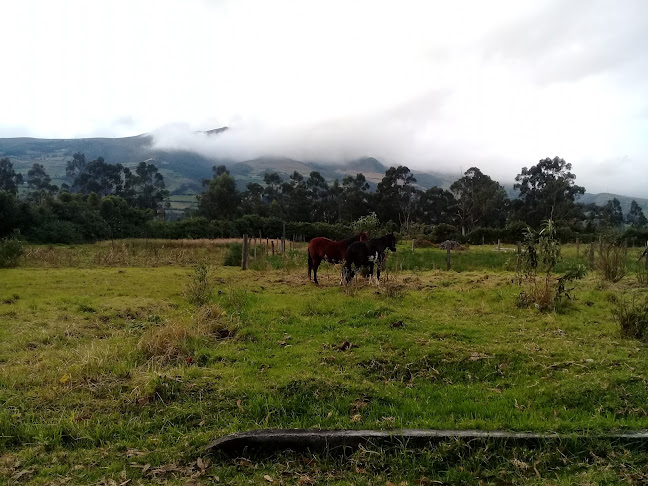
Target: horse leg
310	265
347	272
316	262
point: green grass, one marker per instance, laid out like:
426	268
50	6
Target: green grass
105	368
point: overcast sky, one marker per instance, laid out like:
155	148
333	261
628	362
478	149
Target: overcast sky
434	85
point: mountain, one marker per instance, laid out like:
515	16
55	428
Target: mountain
602	198
184	170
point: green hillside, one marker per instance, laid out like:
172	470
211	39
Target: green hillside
184	170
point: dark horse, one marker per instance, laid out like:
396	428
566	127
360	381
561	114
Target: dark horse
321	248
362	254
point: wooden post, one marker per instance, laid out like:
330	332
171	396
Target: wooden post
591	256
448	258
272	247
482	240
244	253
283	239
412	245
519	257
499	247
255	248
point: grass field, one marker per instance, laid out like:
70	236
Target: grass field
109	374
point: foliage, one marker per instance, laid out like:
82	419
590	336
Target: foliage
436	206
547	192
234	255
101	201
199	288
480	201
396	195
442	232
635	216
221	200
540	256
612	214
632	318
11	250
611	262
9	179
39	182
368	223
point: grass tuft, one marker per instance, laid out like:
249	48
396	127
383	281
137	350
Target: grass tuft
632	318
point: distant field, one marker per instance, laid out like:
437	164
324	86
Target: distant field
109	374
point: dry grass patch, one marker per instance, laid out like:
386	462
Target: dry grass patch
212	320
173	340
168	342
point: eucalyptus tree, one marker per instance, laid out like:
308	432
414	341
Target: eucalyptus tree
39	183
221	200
547	191
480	201
9	178
635	216
396	196
355	197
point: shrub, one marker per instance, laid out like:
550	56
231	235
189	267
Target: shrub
10	251
199	289
632	318
442	232
541	255
612	260
234	254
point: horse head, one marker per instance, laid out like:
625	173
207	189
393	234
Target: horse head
364	235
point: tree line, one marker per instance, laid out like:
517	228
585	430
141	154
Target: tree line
475	201
99	200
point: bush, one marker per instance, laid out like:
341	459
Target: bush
199	289
632	318
540	257
234	255
612	260
442	232
10	251
483	235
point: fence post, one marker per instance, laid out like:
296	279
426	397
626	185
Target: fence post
412	245
272	247
577	248
283	239
448	258
244	253
591	256
519	257
499	246
255	248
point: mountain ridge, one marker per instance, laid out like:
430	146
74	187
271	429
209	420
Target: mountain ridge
184	170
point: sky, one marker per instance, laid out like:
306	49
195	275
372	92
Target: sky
435	85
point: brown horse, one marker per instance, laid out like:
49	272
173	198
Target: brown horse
321	248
